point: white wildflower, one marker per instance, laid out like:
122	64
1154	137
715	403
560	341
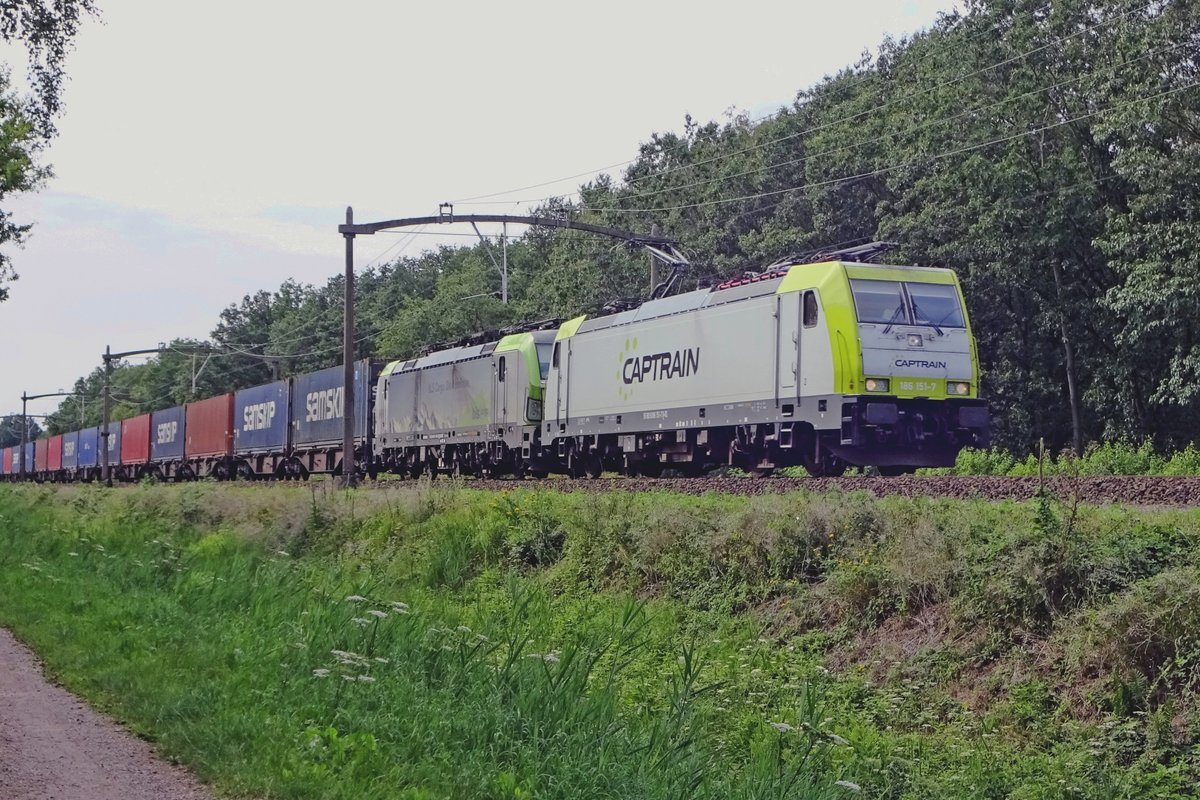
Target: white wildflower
375	612
398	607
463	629
72	554
782	727
283	553
360	621
833	737
854	787
551	657
355	598
348	678
379	660
320	673
365	679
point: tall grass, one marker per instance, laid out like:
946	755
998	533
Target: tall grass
1101	458
421	642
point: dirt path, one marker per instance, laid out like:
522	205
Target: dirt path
54	747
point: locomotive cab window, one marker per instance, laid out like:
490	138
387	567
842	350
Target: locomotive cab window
554	358
810	309
502	369
935	304
881	302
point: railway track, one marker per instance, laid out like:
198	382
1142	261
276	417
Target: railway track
1098	490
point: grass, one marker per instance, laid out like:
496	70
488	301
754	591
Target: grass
416	642
1100	458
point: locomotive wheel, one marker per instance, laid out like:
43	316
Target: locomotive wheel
829	465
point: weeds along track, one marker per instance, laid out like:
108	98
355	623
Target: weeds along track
1127	490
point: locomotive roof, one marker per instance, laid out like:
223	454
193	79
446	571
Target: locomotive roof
455	354
728	292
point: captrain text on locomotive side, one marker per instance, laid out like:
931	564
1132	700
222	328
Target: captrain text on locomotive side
823	365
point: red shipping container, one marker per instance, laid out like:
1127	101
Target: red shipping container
40	448
135	440
7	468
209	427
54	454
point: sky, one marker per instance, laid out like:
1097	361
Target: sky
209	150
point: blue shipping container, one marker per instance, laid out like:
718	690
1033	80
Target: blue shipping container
166	434
70	450
89	447
29	462
260	418
317	405
114	445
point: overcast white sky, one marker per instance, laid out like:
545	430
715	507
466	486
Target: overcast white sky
210	149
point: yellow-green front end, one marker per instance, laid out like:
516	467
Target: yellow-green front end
901	357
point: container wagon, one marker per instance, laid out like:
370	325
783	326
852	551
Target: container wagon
166	431
88	464
136	439
260	435
70	456
6	463
209	439
317	418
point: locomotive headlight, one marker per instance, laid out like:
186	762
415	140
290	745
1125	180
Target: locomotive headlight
877	384
533	410
915	340
958	387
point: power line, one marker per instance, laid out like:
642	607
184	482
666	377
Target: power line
860	115
892	167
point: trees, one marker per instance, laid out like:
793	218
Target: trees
46	31
10	430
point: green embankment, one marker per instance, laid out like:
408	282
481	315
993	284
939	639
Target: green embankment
428	643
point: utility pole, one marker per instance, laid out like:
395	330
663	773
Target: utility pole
24	431
348	414
105	468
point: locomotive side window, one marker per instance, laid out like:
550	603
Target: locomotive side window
878	301
810	309
502	369
936	304
554	359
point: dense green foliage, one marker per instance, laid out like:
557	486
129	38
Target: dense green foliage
1047	152
1108	458
427	643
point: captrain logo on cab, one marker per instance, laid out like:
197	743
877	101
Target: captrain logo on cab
902	363
661	366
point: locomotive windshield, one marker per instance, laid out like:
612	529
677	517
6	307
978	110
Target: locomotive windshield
543	352
907	303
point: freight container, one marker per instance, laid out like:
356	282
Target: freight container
40	448
136	439
114	444
29	460
260	417
54	450
89	448
166	432
317	406
70	451
16	459
317	413
209	428
6	463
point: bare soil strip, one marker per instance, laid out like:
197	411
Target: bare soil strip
54	747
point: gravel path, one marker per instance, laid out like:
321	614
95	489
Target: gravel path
54	747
